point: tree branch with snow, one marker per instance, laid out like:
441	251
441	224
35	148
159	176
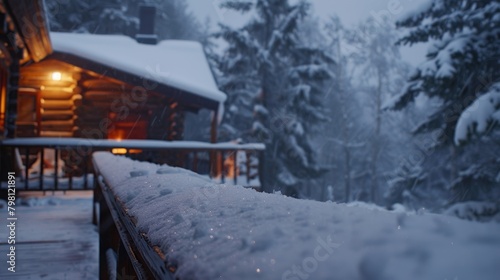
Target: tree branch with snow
479	117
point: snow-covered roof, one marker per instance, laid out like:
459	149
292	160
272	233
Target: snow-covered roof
180	64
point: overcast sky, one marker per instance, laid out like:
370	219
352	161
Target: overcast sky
350	12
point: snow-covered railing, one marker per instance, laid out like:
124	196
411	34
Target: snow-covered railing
124	253
175	223
223	162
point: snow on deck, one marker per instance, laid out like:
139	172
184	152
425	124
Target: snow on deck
226	232
181	64
55	238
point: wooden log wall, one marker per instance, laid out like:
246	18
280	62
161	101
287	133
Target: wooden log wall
56	99
125	108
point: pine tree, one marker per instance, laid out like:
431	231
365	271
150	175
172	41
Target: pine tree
461	70
369	72
380	72
173	18
91	16
176	21
270	74
462	62
343	115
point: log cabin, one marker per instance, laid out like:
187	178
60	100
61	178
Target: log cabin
109	88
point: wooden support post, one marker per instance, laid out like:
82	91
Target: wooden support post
105	228
261	173
85	170
124	267
248	157
27	168
213	139
11	108
179	159
40	179
38	109
95	201
195	162
213	128
3	169
56	167
222	178
235	167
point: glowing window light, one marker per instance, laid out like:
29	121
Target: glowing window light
119	151
56	76
123	151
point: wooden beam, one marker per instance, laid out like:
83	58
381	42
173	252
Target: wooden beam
12	90
214	167
213	128
31	23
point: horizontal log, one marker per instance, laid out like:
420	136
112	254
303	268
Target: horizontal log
58	95
104	84
56	117
55	134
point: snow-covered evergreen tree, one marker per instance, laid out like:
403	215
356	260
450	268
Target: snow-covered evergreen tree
91	16
240	79
363	144
274	76
174	20
380	73
343	136
461	72
462	61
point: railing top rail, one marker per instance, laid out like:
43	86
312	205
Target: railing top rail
152	264
53	142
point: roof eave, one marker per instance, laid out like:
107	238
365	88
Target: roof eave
31	23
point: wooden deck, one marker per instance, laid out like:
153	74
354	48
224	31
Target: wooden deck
55	239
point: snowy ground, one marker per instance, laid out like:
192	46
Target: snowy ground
55	238
225	232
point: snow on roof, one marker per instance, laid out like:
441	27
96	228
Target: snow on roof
180	64
214	231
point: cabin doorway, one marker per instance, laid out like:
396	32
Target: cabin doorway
131	126
28	113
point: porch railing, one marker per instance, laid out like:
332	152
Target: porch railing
223	162
123	250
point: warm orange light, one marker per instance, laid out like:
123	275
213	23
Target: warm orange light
116	134
229	165
56	76
122	151
119	151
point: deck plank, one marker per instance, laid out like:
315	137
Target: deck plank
55	239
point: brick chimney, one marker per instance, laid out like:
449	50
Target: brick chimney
146	33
